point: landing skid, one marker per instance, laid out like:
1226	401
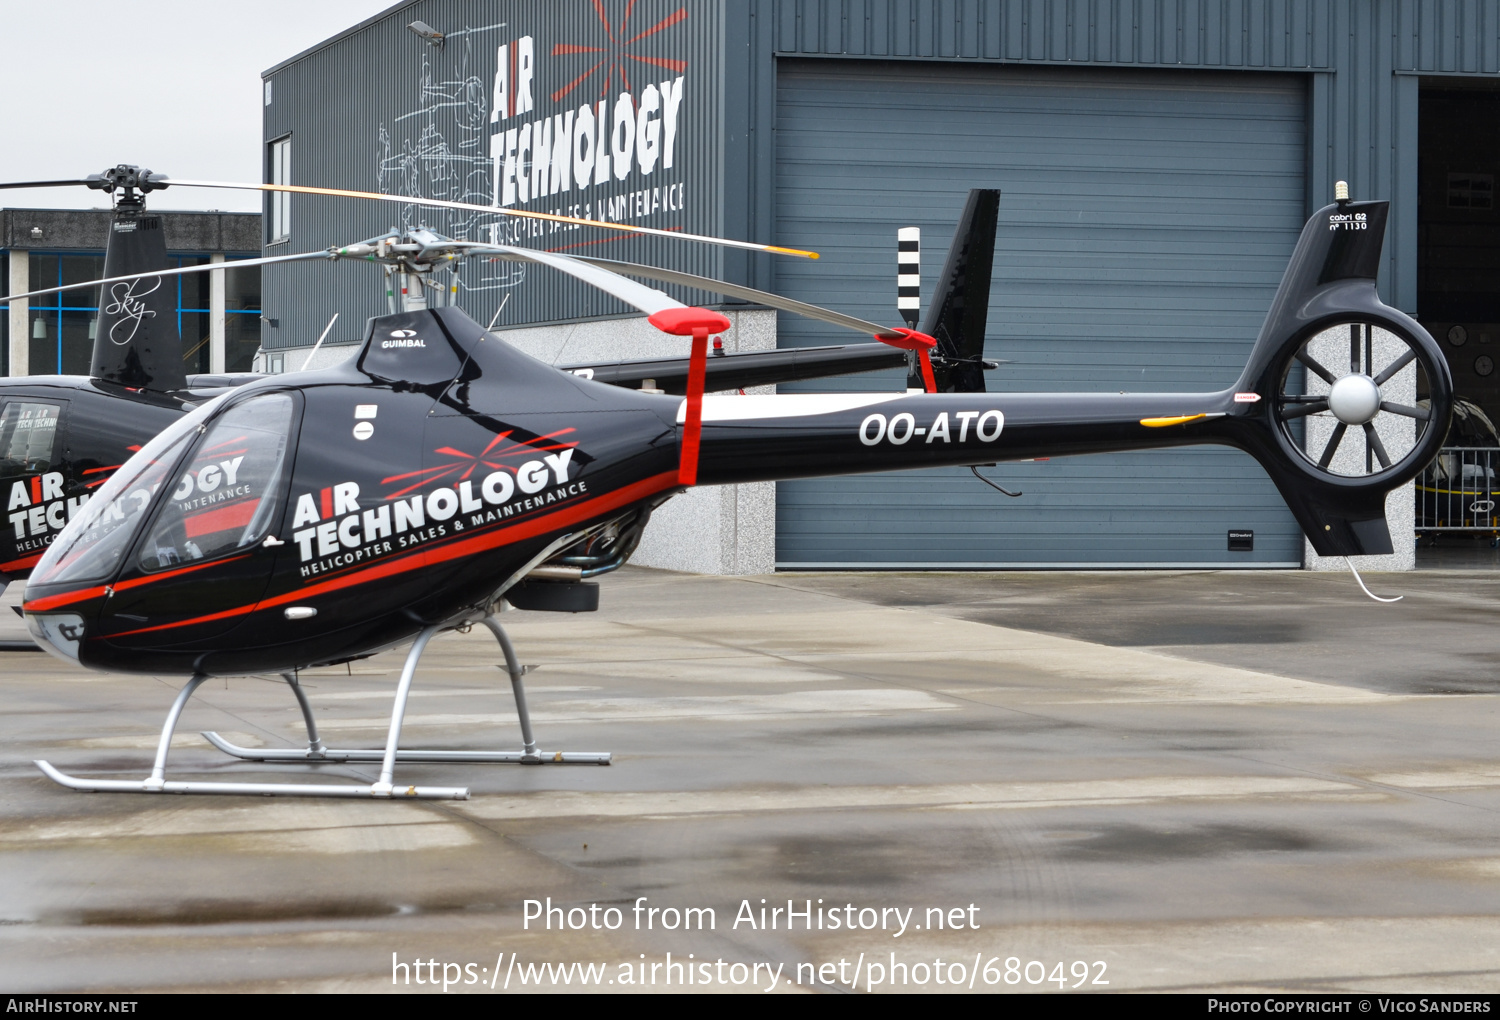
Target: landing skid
315	752
337	756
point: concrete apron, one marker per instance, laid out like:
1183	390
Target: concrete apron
1132	778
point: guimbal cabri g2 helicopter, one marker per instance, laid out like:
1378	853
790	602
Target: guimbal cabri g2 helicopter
62	436
321	517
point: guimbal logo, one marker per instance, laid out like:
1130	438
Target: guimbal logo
402	338
602	140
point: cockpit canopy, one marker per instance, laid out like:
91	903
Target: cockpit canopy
210	484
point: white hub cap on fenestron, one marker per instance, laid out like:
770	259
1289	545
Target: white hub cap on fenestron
1354	399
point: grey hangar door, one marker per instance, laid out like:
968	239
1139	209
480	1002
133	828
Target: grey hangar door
1145	221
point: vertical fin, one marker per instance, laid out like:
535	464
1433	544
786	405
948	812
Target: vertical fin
959	312
137	343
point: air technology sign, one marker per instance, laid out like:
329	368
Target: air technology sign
589	108
581	155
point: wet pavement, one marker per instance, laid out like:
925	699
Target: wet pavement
1164	780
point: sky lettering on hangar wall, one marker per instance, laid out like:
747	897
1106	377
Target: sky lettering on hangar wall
590	125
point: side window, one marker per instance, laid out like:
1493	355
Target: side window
28	437
280	201
228	492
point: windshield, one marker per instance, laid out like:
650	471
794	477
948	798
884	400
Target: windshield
226	492
94	541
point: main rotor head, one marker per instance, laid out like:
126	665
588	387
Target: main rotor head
127	179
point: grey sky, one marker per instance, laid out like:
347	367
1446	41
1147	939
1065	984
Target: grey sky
171	85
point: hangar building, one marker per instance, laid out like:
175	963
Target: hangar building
1157	159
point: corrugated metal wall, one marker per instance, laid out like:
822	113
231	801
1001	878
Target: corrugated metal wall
380	109
1202	33
1364	58
1145	221
1431	36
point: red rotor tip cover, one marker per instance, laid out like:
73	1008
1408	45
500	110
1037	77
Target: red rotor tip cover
686	321
907	339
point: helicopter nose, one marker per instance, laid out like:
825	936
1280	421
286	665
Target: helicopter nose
58	633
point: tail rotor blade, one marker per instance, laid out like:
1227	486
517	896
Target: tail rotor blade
909	274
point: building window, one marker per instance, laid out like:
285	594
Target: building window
63	325
281	202
241	315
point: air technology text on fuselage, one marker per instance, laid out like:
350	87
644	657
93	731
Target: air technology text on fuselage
37	510
343	534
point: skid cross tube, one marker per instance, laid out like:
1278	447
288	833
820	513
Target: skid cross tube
392	754
384	789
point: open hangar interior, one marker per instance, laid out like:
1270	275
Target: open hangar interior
1156	161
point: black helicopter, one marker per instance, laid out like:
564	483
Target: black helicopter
62	436
322	517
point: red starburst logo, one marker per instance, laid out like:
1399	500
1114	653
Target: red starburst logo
465	464
616	55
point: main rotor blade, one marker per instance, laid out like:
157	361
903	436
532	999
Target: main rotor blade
436	203
647	299
40	184
238	264
746	293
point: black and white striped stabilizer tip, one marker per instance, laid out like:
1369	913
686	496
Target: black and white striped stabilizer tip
909	274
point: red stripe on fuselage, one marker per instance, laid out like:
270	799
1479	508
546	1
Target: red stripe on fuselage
452	550
22	564
68	598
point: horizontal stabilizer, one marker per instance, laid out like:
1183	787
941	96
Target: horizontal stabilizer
740	371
